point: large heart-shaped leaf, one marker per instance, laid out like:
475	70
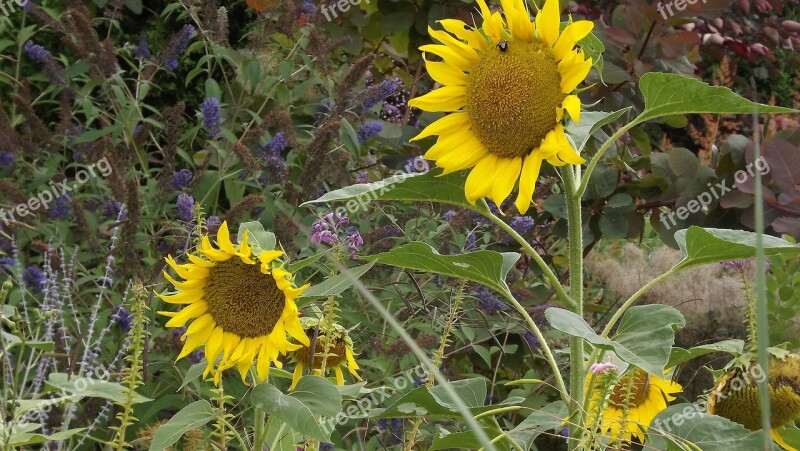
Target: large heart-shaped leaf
683	423
702	246
312	396
488	268
193	416
668	94
644	337
591	122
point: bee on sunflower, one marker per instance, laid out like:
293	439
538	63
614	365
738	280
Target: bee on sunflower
241	304
508	86
735	395
623	406
334	347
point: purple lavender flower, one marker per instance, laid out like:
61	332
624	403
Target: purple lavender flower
417	164
521	224
6	158
362	177
185	206
212	224
121	318
598	368
738	265
472	242
368	130
36	52
34	278
449	215
353	241
308	8
54	72
60	208
564	432
181	179
176	47
376	93
531	339
112	209
489	302
197	356
275	146
211	119
6	265
142	51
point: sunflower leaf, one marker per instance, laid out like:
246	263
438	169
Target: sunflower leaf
644	337
683	423
260	239
312	396
193	416
701	246
488	268
669	94
425	187
335	285
591	122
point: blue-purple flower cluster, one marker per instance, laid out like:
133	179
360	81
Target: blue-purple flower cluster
176	47
6	158
368	130
417	165
331	230
211	120
377	93
490	303
185	205
181	179
60	208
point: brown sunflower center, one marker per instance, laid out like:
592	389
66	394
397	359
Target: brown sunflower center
336	351
631	390
242	299
512	96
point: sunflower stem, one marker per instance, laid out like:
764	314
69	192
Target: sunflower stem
596	158
577	371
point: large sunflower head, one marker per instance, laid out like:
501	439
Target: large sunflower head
630	403
333	345
735	395
506	86
241	305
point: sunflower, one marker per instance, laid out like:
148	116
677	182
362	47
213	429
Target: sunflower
635	399
735	396
335	347
241	306
507	86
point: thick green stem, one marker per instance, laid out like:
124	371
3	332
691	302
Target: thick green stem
596	158
577	371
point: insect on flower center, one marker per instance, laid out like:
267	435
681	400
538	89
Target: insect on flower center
512	97
242	299
631	390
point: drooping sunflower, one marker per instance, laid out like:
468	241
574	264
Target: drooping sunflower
507	86
633	403
335	347
735	395
241	306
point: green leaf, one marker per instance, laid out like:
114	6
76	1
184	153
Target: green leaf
488	268
21	435
668	94
335	285
644	338
295	266
313	396
288	439
134	5
193	416
702	246
194	372
680	355
258	237
92	388
591	122
448	189
435	403
549	418
685	423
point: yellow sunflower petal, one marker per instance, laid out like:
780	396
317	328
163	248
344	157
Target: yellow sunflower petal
182	297
449	55
446	74
464	32
479	181
339	375
448	124
527	181
224	239
263	361
519	21
573	106
200	261
213	253
298	373
449	143
463	50
548	22
445	99
573	70
191	311
506	175
295	330
465	157
780	441
570	37
194	340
